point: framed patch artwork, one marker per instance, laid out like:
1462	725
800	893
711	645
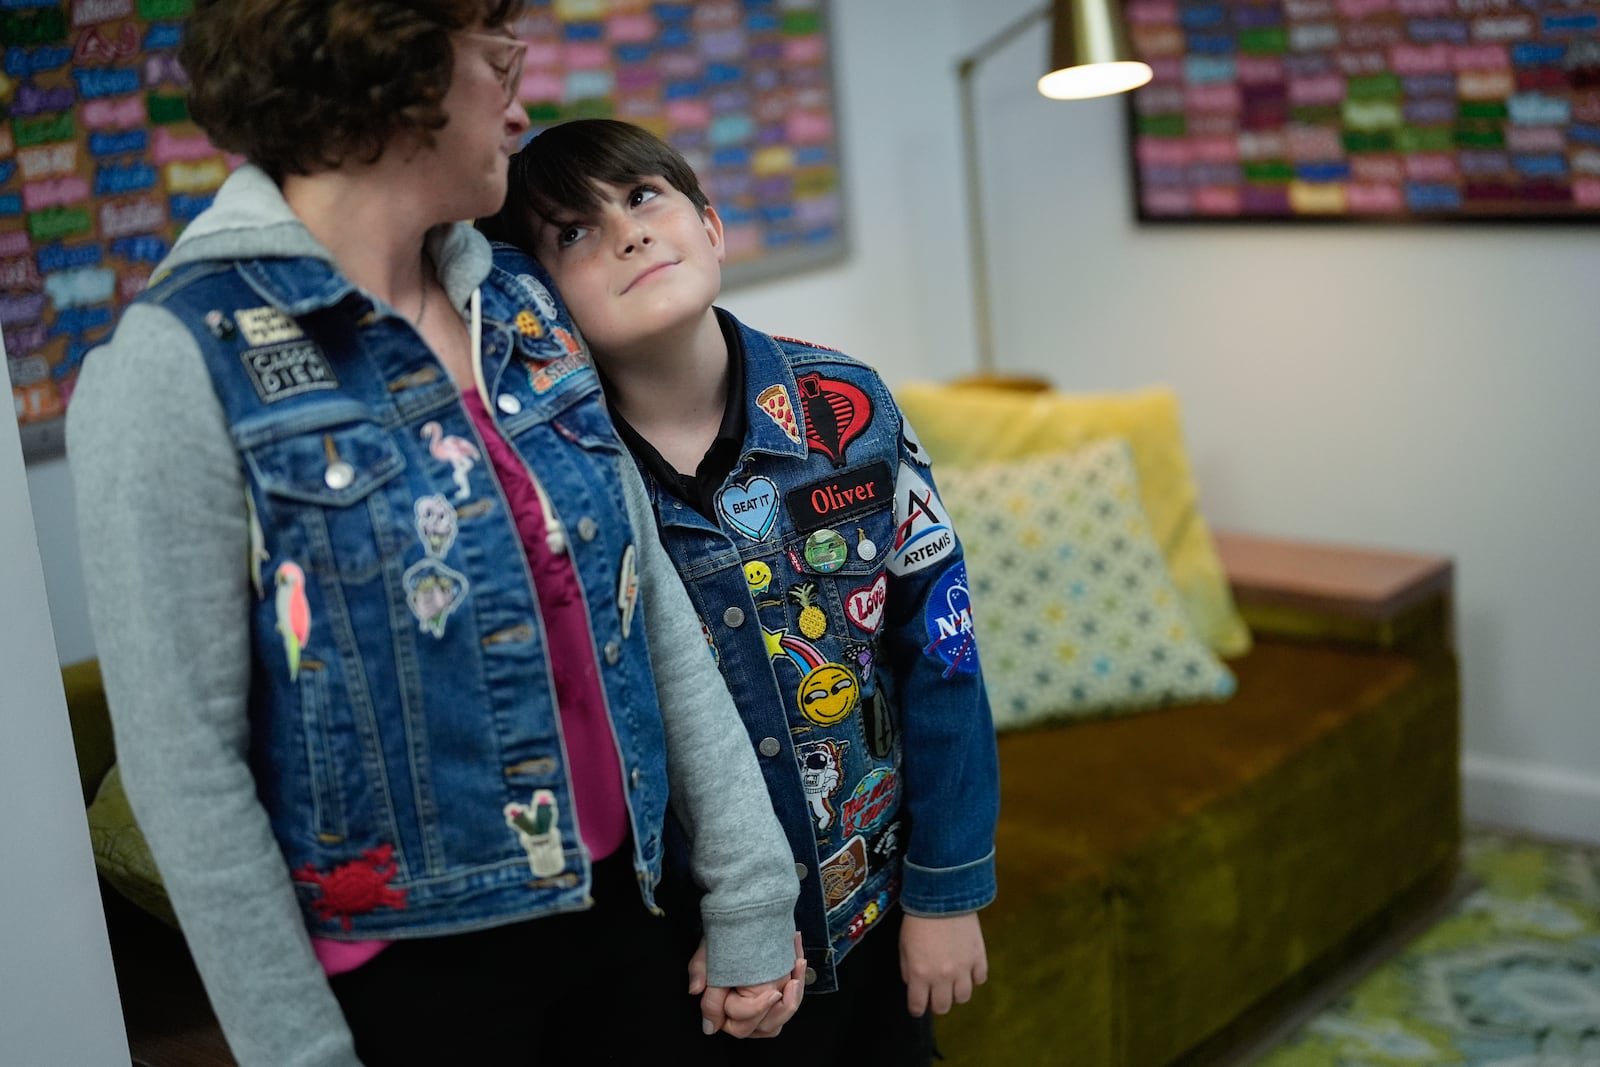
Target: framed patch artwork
101	167
1367	110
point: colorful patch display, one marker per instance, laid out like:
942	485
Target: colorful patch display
948	615
875	798
750	508
844	872
627	589
826	551
355	888
836	414
279	372
833	500
294	613
864	606
433	592
774	400
922	531
538	832
458	452
437	523
820	776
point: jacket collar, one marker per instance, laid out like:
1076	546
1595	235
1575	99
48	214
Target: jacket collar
767	368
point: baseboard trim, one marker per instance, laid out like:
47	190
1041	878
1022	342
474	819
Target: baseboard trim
1531	798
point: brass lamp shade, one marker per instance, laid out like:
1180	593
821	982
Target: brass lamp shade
1089	52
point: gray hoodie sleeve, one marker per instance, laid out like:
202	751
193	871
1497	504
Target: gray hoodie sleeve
162	518
738	852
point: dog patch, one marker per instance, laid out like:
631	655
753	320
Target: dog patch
836	414
833	500
750	508
922	532
281	371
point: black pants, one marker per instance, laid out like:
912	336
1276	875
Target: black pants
599	986
864	1022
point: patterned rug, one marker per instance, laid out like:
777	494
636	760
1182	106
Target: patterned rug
1510	978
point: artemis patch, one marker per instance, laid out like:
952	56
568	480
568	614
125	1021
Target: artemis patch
281	371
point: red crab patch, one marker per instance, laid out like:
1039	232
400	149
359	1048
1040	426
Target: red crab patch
355	888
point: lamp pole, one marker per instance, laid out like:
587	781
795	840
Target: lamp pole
965	68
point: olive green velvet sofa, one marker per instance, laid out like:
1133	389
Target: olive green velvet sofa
1170	881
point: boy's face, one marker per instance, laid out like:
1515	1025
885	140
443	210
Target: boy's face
643	266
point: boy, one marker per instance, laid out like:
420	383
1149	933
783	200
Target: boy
829	584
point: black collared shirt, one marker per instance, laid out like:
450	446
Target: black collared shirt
699	489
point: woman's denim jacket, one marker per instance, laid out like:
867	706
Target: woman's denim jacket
415	781
833	592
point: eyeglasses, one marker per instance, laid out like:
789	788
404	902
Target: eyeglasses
508	64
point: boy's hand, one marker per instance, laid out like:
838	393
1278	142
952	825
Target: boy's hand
748	1011
941	959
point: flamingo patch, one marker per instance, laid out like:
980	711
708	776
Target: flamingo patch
459	452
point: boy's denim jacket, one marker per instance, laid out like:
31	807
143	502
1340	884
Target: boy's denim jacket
415	781
833	593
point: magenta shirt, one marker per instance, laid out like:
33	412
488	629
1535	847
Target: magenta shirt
592	759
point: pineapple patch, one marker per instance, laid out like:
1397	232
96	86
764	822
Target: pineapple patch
813	621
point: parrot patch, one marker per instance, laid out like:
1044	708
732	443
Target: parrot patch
294	613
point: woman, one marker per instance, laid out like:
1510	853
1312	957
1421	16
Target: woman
367	596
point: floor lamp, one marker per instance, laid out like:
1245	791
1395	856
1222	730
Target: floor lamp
1089	56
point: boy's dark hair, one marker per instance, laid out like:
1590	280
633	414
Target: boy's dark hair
298	86
553	175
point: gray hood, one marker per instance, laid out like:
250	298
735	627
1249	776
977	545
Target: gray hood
249	219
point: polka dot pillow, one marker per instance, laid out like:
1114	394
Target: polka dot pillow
1076	614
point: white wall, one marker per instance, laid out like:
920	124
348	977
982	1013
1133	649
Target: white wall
1421	388
1426	388
58	992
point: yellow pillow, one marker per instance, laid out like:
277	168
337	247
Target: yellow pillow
968	425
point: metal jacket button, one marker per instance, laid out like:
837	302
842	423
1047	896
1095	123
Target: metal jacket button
613	653
508	404
633	779
733	617
769	746
339	475
800	871
811	976
587	528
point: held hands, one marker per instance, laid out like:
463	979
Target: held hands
941	959
752	1010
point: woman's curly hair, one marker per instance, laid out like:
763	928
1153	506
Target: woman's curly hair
298	86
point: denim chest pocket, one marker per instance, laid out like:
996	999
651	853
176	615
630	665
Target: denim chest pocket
321	487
